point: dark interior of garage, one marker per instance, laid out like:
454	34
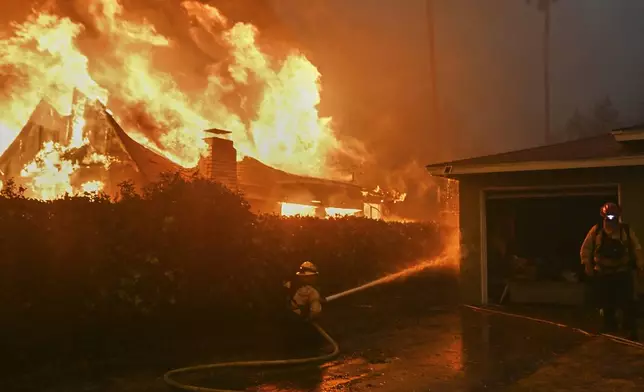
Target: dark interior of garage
537	238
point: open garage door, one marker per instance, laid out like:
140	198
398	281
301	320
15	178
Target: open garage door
533	239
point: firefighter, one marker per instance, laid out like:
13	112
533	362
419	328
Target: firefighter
610	253
304	298
304	306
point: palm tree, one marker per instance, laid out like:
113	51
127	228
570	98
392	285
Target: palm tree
545	7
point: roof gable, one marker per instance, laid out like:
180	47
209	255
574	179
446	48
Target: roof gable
105	136
44	125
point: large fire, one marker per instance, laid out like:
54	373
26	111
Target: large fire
294	209
273	118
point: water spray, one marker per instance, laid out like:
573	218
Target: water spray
169	376
389	278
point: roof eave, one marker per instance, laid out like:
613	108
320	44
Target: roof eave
458	170
629	135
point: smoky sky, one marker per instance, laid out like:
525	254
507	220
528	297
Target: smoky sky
374	60
374	55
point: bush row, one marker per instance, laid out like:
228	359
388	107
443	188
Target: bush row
181	248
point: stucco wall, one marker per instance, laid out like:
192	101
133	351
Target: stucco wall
632	197
470	225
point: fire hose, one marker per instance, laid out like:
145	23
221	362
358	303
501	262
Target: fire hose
170	380
169	377
616	339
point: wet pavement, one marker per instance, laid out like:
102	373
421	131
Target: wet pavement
584	318
461	350
392	339
470	351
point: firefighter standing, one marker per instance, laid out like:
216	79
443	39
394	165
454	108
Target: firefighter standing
610	253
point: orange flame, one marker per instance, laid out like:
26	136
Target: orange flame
92	187
42	61
278	123
292	209
335	211
50	173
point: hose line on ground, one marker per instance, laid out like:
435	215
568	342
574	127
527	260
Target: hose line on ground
616	339
169	377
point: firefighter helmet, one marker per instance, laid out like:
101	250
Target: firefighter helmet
610	211
307	269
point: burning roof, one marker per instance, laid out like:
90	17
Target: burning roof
62	70
257	179
163	99
86	150
379	195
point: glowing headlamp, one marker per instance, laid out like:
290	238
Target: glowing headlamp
610	217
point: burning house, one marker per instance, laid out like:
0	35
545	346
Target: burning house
270	190
88	151
232	77
379	203
84	151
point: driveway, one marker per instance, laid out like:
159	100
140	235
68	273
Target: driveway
407	338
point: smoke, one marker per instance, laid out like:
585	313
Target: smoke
421	202
373	82
411	179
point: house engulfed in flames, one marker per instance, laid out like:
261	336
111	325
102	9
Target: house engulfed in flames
85	151
270	190
88	151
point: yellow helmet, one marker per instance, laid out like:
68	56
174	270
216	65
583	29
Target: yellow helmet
307	269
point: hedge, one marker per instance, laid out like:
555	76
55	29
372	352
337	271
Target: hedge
182	247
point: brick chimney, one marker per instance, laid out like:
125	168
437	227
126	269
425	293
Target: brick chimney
221	164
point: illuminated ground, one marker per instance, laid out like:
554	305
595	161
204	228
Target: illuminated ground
398	338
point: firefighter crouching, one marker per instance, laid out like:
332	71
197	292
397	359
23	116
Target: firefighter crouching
305	306
610	253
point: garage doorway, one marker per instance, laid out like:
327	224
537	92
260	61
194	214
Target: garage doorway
532	241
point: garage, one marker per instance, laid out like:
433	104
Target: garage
533	238
524	214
